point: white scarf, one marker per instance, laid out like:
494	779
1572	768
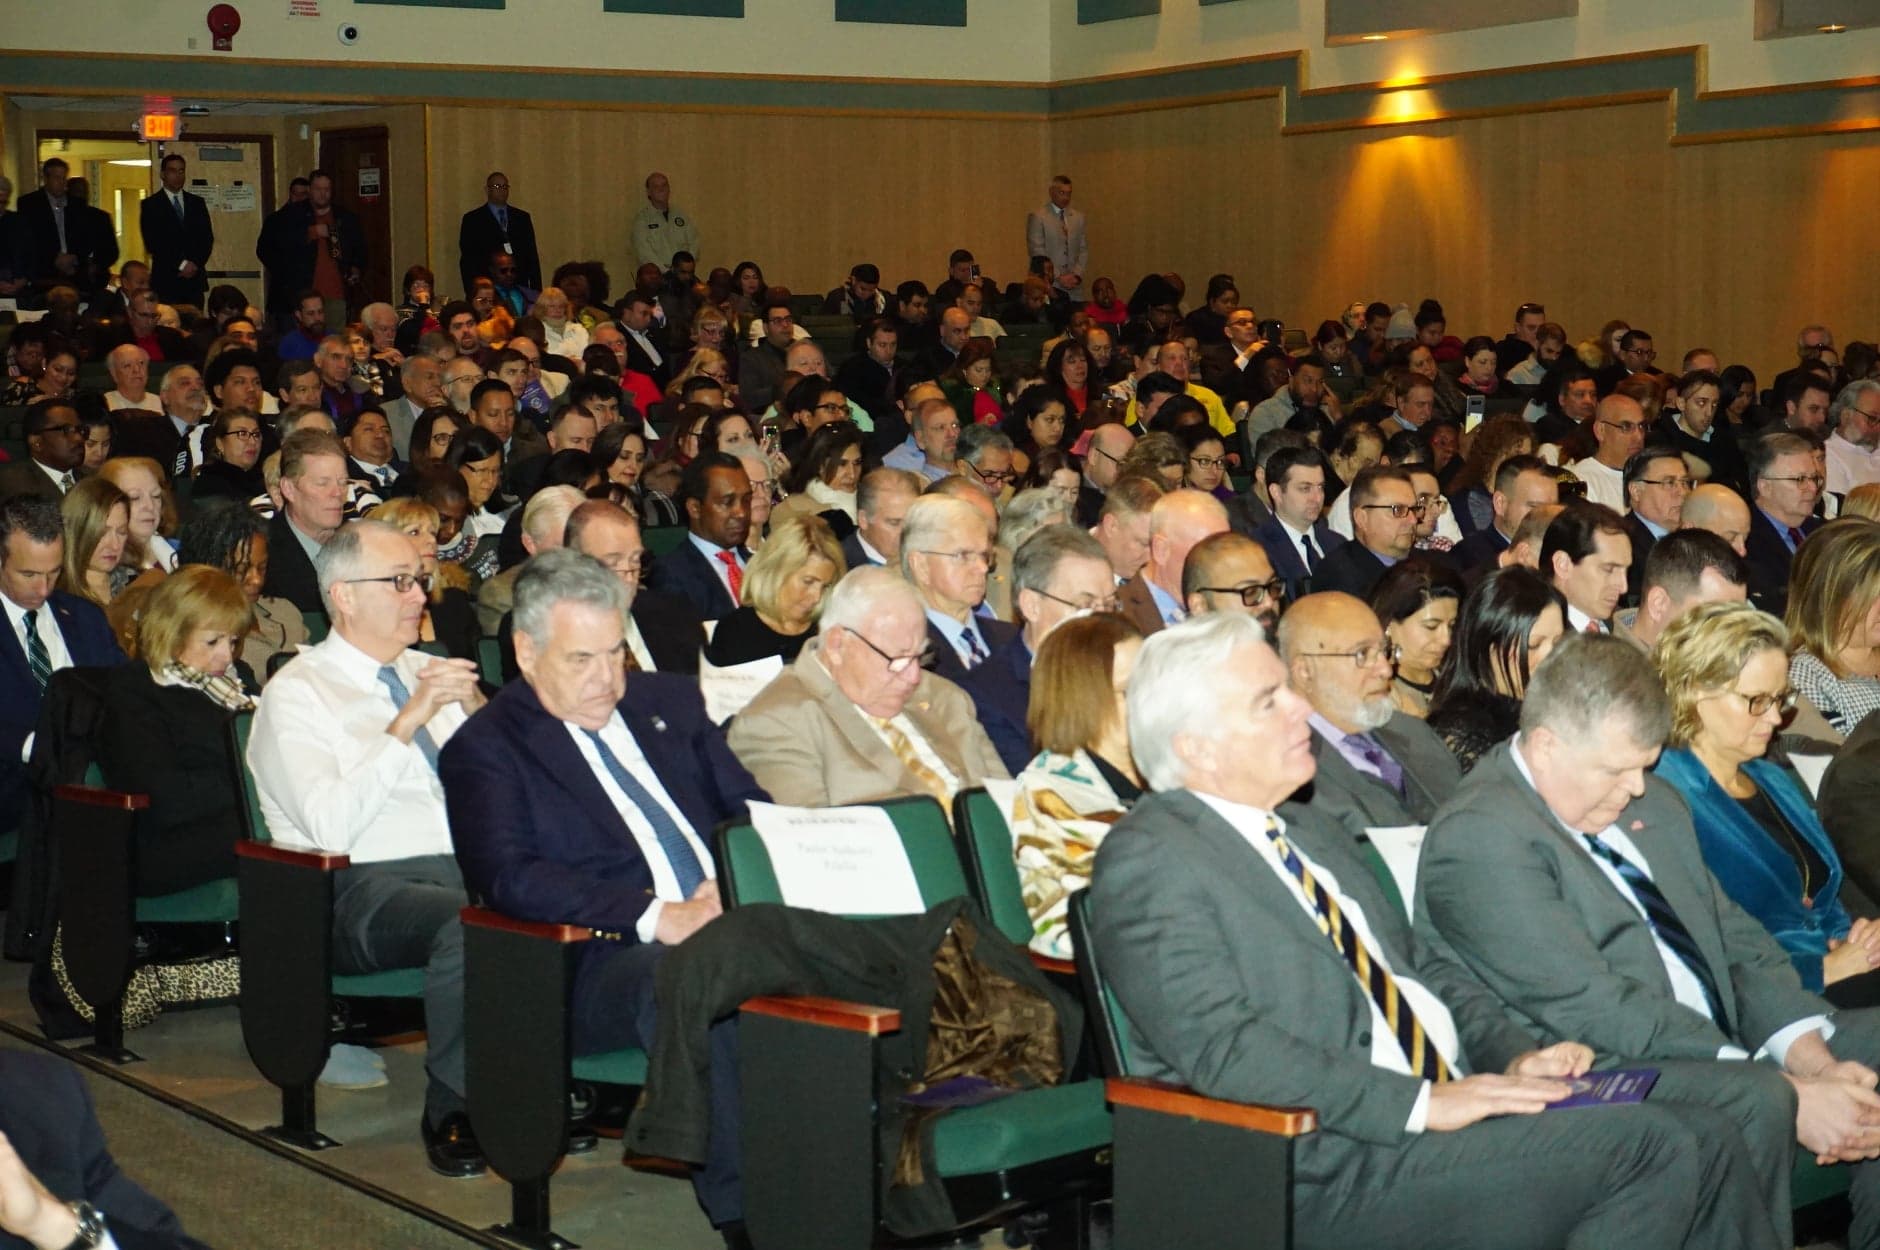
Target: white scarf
831	498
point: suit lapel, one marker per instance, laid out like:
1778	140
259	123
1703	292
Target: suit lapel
1671	873
1336	768
561	762
856	732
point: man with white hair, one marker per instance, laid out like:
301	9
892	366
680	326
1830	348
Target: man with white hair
1855	417
421	381
344	754
1257	960
165	434
1377	768
129	366
856	718
1180	519
544	518
946	555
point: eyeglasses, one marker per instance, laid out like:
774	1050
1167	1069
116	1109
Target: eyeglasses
60	429
1624	427
1675	483
988	558
1799	478
896	663
995	477
1643	353
1207	462
1094	605
1759	704
839	409
247	436
1364	656
1098	451
1398	510
400	582
1433	503
1252	594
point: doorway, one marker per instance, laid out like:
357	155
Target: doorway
117	173
360	162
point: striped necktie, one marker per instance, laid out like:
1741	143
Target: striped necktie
1664	922
37	658
1425	1060
903	747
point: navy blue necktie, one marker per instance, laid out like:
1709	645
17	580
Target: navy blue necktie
388	676
672	840
976	652
1664	922
502	219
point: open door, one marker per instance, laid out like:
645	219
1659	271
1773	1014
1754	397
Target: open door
360	162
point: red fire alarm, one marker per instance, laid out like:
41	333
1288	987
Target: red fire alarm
224	21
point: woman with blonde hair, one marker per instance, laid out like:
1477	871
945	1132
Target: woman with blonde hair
1725	666
560	334
706	362
1084	777
785	586
97	530
710	331
450	617
1834	621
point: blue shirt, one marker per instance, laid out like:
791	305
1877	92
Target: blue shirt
1782	530
1172	612
908	456
955	633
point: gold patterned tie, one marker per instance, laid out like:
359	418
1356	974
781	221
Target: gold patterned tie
903	749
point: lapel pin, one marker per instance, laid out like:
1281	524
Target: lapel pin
659	724
1637	825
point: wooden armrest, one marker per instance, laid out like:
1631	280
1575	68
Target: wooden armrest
93	796
829	1012
1051	963
275	853
484	918
1160	1096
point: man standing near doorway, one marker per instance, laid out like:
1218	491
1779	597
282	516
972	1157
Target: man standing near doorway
314	245
179	235
495	226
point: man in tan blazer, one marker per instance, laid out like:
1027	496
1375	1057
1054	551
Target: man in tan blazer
856	719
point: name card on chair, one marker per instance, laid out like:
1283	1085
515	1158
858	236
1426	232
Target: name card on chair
728	689
847	861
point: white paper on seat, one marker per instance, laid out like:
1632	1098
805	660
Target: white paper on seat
728	689
1400	845
1812	768
847	861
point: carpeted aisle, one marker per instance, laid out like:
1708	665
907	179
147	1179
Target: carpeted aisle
234	1193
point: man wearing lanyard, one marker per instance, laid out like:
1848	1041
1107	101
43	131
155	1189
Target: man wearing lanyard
494	226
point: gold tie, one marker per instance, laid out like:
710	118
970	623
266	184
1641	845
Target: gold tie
903	749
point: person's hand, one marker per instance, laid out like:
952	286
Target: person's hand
66	263
679	921
1837	1120
27	1208
1328	400
440	684
188	269
1560	1059
1865	933
1458	1104
1847	959
389	356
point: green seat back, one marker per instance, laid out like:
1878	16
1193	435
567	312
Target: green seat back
9	846
986	841
616	1067
490	660
664	539
1385	881
1110	1027
316	624
925	836
435	648
240	726
1810	1183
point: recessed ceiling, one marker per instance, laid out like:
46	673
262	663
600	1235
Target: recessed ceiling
137	103
1779	19
1365	21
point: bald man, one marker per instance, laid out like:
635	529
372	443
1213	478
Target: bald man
1231	573
1179	520
1619	427
1108	445
955	329
1719	510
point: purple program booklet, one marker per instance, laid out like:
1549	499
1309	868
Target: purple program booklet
1602	1089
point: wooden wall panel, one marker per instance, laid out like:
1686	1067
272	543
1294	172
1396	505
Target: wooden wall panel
805	197
1732	245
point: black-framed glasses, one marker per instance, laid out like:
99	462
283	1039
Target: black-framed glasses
993	477
1364	656
1098	451
1397	510
897	663
1094	605
1798	479
399	582
1208	462
1675	483
61	429
988	558
1759	704
1252	594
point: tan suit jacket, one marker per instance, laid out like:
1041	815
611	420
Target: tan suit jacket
809	746
1139	605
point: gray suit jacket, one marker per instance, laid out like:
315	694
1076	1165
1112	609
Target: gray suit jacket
1063	241
1507	892
1358	800
1231	988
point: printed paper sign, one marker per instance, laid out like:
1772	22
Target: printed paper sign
728	689
847	861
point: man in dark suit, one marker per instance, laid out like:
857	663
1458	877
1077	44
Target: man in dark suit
1569	880
46	630
707	569
1521	484
1383	528
1377	768
55	450
1233	940
1059	570
69	242
867	376
946	555
1636	354
295	239
1785	485
1656	482
649	348
493	226
1295	534
1231	369
666	633
313	492
57	1172
179	235
580	796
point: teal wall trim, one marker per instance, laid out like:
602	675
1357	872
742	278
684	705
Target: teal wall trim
1671	75
677	8
445	4
1091	11
903	12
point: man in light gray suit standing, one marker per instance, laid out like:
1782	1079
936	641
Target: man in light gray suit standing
1056	231
1257	960
1569	880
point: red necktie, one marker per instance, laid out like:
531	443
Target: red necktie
1594	627
734	575
1795	537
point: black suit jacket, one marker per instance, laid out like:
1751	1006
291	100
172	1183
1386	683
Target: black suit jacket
136	432
1288	561
1480	550
853	553
478	236
867	382
687	574
25	477
46	1112
89	236
1769	558
290	572
640	361
91	644
1642	540
947	661
1001	690
288	254
171	242
1233	384
1352	569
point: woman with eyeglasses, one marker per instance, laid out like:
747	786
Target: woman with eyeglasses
450	617
1417	601
231	461
1834	621
477	455
1206	466
1506	628
1725	666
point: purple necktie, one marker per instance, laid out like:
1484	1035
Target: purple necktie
1795	537
1388	769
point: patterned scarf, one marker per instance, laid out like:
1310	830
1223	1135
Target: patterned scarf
225	689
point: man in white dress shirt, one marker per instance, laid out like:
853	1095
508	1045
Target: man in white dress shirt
344	755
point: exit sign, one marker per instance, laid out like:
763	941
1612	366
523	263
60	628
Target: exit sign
158	127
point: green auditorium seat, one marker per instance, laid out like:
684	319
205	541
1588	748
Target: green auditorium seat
810	1146
490	661
985	843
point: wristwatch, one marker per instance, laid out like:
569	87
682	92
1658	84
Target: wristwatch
90	1227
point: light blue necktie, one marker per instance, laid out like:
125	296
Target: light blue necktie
672	840
388	676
